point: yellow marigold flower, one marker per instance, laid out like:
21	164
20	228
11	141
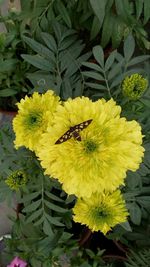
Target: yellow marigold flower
101	211
16	179
134	86
34	115
109	147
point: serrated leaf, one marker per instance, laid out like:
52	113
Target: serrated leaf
135	213
40	221
126	226
128	48
93	66
53	197
54	207
95	29
8	65
107	29
67	42
30	196
146	11
99	55
99	9
110	60
38	62
39	48
47	228
96	86
49	41
34	215
116	70
144	201
117	81
32	206
137	60
7	92
139	8
66	89
53	220
94	75
63	12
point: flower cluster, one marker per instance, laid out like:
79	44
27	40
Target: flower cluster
88	147
35	114
134	86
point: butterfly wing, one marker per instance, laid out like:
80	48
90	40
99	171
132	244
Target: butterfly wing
73	132
66	136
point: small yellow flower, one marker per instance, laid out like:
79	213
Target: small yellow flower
101	212
109	147
16	179
35	114
134	86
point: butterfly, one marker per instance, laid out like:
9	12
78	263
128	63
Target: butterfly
74	132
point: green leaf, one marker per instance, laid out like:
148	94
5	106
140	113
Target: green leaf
135	213
139	8
39	48
144	201
47	227
115	70
99	9
53	220
129	46
94	75
54	207
63	12
7	92
53	197
49	41
117	31
93	66
95	28
66	89
38	62
107	29
126	226
42	79
146	11
30	196
32	206
96	86
34	215
110	60
137	60
99	55
117	81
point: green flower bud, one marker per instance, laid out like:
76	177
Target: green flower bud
134	86
16	179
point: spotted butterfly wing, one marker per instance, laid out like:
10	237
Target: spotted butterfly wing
74	132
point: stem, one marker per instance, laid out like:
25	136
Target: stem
115	257
107	85
85	238
43	13
42	193
119	246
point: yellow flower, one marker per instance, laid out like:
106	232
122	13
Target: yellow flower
34	115
109	147
134	86
16	179
101	211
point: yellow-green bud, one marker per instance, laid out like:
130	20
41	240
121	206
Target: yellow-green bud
134	86
16	179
